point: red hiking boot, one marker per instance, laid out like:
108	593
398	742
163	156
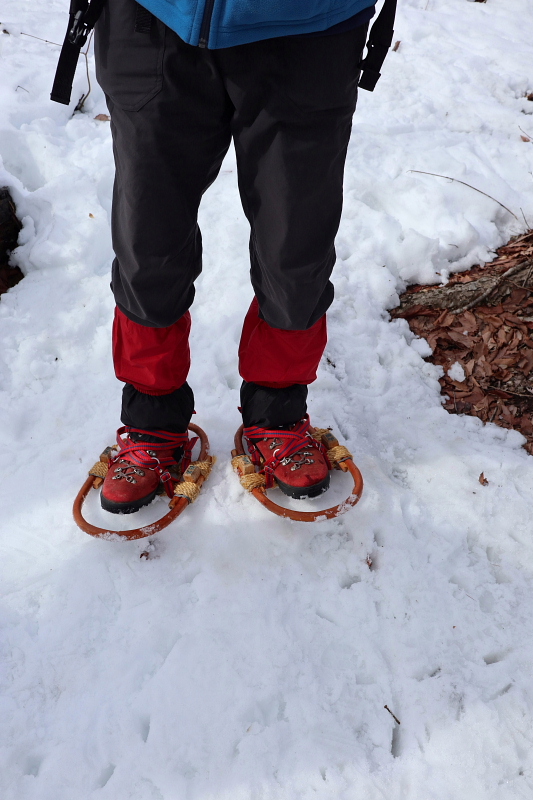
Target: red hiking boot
292	458
140	468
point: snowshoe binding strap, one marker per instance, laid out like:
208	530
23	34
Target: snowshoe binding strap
184	492
254	480
292	442
147	455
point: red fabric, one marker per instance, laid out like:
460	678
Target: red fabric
278	358
155	360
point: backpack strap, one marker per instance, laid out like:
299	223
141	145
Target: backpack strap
379	42
82	19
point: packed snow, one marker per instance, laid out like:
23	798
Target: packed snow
456	372
248	657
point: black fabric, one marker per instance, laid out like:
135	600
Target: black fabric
167	412
272	408
92	13
260	405
287	103
129	64
146	438
143	20
361	18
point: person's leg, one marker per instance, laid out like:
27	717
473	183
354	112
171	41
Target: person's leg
170	119
294	100
277	366
153	363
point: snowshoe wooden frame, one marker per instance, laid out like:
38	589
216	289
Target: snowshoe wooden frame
177	503
244	468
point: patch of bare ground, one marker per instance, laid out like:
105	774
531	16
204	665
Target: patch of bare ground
483	320
9	231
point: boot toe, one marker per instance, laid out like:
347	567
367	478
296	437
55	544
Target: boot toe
115	506
304	492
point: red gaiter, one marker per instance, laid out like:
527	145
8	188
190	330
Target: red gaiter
279	358
155	360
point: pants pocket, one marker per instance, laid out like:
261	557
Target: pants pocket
129	62
322	72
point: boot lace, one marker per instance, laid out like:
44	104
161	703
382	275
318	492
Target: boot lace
295	447
140	456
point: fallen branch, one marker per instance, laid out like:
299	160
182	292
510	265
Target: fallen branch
508	391
456	180
495	283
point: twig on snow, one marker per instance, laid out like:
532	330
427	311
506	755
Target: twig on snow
84	53
84	97
456	180
393	715
39	38
528	226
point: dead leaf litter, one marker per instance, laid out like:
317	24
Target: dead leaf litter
485	350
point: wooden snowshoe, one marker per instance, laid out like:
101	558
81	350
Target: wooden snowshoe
253	479
185	492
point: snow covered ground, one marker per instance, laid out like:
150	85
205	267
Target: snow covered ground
250	658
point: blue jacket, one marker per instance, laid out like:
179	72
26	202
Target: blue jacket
224	23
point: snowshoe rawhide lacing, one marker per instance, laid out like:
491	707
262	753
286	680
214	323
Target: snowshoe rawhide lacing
181	485
259	471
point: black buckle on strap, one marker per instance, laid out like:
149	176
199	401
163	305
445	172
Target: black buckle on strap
79	30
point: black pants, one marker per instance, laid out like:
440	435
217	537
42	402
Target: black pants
287	103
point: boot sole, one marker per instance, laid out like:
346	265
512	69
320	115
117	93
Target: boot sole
126	508
304	492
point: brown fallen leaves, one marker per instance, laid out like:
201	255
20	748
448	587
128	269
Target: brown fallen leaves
492	342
